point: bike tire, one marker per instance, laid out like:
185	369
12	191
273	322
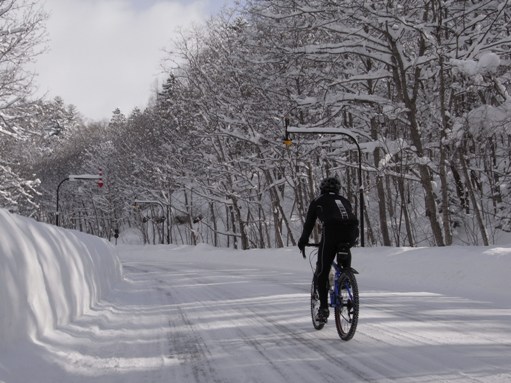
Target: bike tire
347	305
315	306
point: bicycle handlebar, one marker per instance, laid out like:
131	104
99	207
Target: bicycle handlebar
310	245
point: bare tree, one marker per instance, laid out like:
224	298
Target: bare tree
22	36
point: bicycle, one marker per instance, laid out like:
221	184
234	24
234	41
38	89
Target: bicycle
343	294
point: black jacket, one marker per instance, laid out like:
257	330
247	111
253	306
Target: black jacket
334	211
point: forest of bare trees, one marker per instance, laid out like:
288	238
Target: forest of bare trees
423	85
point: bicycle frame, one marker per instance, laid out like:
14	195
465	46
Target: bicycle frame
346	309
334	292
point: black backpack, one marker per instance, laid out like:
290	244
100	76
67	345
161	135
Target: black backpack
337	211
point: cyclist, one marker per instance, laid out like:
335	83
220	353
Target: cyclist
339	227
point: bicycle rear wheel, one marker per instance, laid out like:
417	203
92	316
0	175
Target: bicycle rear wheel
315	306
347	307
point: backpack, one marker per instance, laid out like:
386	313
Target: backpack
340	214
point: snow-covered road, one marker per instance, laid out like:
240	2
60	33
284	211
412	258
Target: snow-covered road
186	314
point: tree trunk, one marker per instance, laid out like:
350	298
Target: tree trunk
239	218
215	226
404	211
380	187
473	199
444	184
401	82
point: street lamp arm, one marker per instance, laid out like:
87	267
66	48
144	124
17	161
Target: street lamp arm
74	177
137	201
345	132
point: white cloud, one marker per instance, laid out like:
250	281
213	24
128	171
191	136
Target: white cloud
106	54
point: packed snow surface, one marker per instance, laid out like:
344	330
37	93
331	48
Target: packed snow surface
75	308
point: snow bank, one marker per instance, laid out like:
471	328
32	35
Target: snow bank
472	272
49	276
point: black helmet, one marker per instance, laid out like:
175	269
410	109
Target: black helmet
330	185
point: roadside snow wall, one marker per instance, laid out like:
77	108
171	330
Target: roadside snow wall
49	276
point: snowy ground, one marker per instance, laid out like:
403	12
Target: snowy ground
199	314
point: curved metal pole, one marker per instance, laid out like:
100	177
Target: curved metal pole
361	191
151	202
57	212
287	141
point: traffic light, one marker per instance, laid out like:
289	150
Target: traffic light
100	180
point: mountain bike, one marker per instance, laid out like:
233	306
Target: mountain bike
343	294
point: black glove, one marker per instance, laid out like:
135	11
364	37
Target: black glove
301	244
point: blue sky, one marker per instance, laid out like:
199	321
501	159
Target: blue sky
107	54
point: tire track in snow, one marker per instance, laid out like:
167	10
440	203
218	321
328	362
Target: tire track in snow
186	345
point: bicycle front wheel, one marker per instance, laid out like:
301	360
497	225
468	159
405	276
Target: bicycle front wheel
347	305
315	306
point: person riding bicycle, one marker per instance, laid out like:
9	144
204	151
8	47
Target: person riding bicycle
339	228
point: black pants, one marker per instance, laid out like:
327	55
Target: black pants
332	238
